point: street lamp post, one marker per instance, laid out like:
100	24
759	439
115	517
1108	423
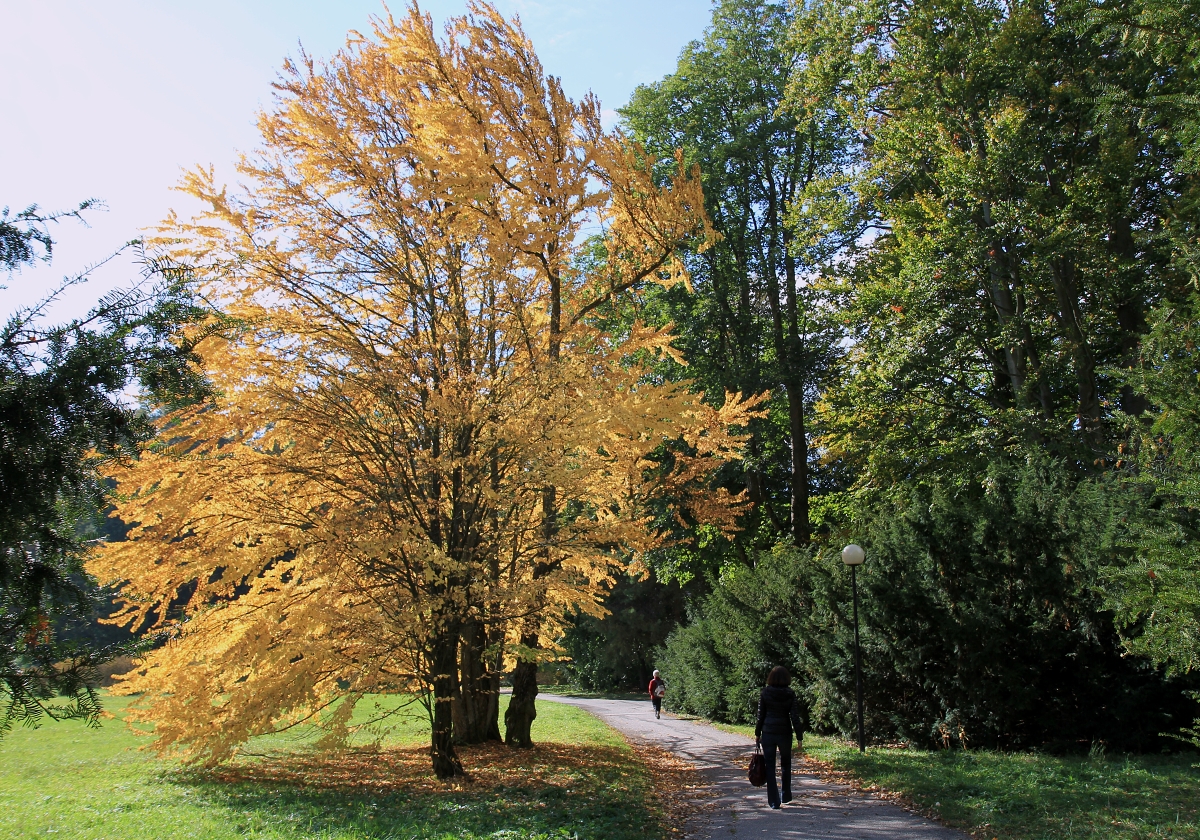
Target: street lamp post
853	556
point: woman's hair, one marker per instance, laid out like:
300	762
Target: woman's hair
779	676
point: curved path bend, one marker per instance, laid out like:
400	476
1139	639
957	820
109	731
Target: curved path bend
819	809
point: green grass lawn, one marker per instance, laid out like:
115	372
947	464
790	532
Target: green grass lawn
1031	796
67	781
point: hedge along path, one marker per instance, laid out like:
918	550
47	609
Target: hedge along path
732	808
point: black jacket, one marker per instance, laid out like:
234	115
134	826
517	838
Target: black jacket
778	714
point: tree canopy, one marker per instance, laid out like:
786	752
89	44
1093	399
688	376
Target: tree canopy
1003	418
423	448
774	185
920	275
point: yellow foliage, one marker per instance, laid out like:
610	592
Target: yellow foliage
416	368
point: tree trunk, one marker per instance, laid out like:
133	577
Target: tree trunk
785	330
445	762
493	706
1131	315
522	708
476	710
793	377
1062	271
799	512
1001	296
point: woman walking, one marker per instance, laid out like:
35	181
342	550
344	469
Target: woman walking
658	688
778	718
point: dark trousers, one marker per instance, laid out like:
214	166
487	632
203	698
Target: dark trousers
784	744
657	701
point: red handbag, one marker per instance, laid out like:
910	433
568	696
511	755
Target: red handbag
758	768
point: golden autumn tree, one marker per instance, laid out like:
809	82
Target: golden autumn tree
423	452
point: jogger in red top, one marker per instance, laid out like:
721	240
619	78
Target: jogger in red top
657	689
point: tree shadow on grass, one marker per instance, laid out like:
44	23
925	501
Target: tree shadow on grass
551	791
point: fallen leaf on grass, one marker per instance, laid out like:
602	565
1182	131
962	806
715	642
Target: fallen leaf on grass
679	788
487	766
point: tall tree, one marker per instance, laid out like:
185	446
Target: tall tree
1157	595
423	451
1019	191
775	190
63	416
1027	175
1020	245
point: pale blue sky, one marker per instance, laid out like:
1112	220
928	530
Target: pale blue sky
111	99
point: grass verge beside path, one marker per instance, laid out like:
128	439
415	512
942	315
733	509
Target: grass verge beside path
1027	796
581	781
570	691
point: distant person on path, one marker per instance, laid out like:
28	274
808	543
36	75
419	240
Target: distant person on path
657	689
778	718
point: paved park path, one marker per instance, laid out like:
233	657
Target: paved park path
819	809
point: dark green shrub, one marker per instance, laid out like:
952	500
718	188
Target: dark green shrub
616	653
981	623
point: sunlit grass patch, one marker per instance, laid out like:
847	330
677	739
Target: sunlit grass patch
581	781
1028	796
388	721
1032	796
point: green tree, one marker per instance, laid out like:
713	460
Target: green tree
755	619
618	652
63	412
1156	595
1027	206
1020	239
1164	32
775	190
981	625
